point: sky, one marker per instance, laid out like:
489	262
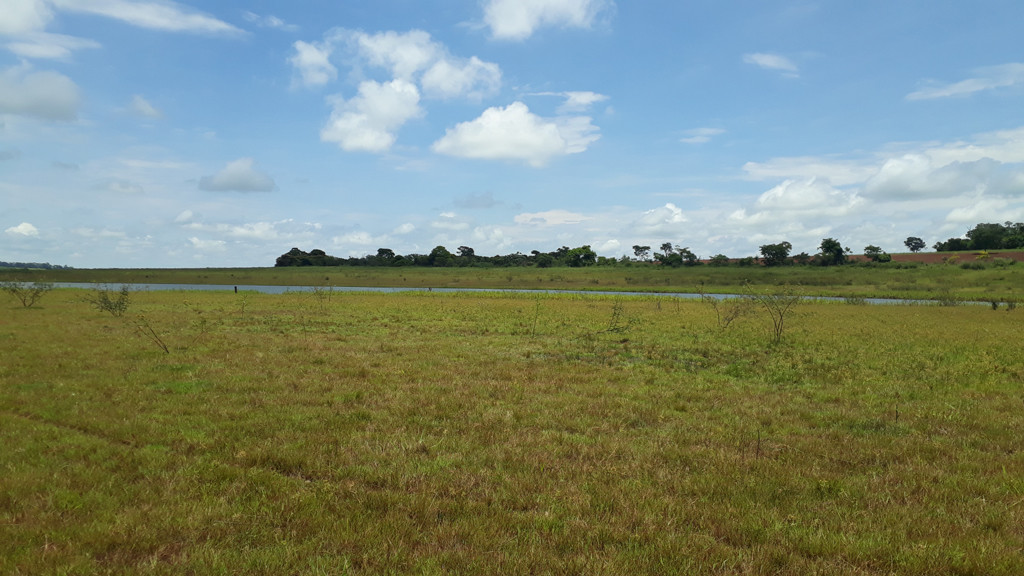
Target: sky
153	133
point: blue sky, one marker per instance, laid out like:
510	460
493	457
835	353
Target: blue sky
182	134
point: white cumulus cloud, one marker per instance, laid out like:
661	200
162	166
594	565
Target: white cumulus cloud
518	19
238	176
23	229
368	121
414	56
667	219
23	16
515	133
313	63
403	53
47	95
453	78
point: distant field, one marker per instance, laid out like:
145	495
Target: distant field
469	433
967	278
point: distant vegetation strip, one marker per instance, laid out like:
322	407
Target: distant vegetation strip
831	252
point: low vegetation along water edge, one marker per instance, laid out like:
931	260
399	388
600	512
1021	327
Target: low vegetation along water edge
980	281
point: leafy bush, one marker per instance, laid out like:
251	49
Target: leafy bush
105	300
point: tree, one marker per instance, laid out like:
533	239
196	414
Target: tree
641	252
440	256
670	259
1014	237
832	252
953	245
986	236
582	256
873	252
688	257
914	244
666	248
775	254
719	260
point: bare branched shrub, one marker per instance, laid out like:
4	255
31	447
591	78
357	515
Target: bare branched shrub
619	323
728	310
27	294
323	295
779	307
145	329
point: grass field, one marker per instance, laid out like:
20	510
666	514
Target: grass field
429	433
988	281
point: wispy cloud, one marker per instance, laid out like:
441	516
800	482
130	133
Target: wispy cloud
142	107
43	45
238	176
165	15
269	22
701	135
988	78
773	62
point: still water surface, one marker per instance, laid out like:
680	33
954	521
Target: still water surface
263	289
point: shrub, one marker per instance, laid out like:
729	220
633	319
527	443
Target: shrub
27	294
104	300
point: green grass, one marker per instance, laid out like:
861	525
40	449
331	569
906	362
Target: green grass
433	433
895	280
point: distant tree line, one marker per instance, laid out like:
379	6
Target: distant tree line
440	256
1009	235
35	265
830	253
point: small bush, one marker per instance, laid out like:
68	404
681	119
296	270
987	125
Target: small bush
105	300
27	294
976	265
